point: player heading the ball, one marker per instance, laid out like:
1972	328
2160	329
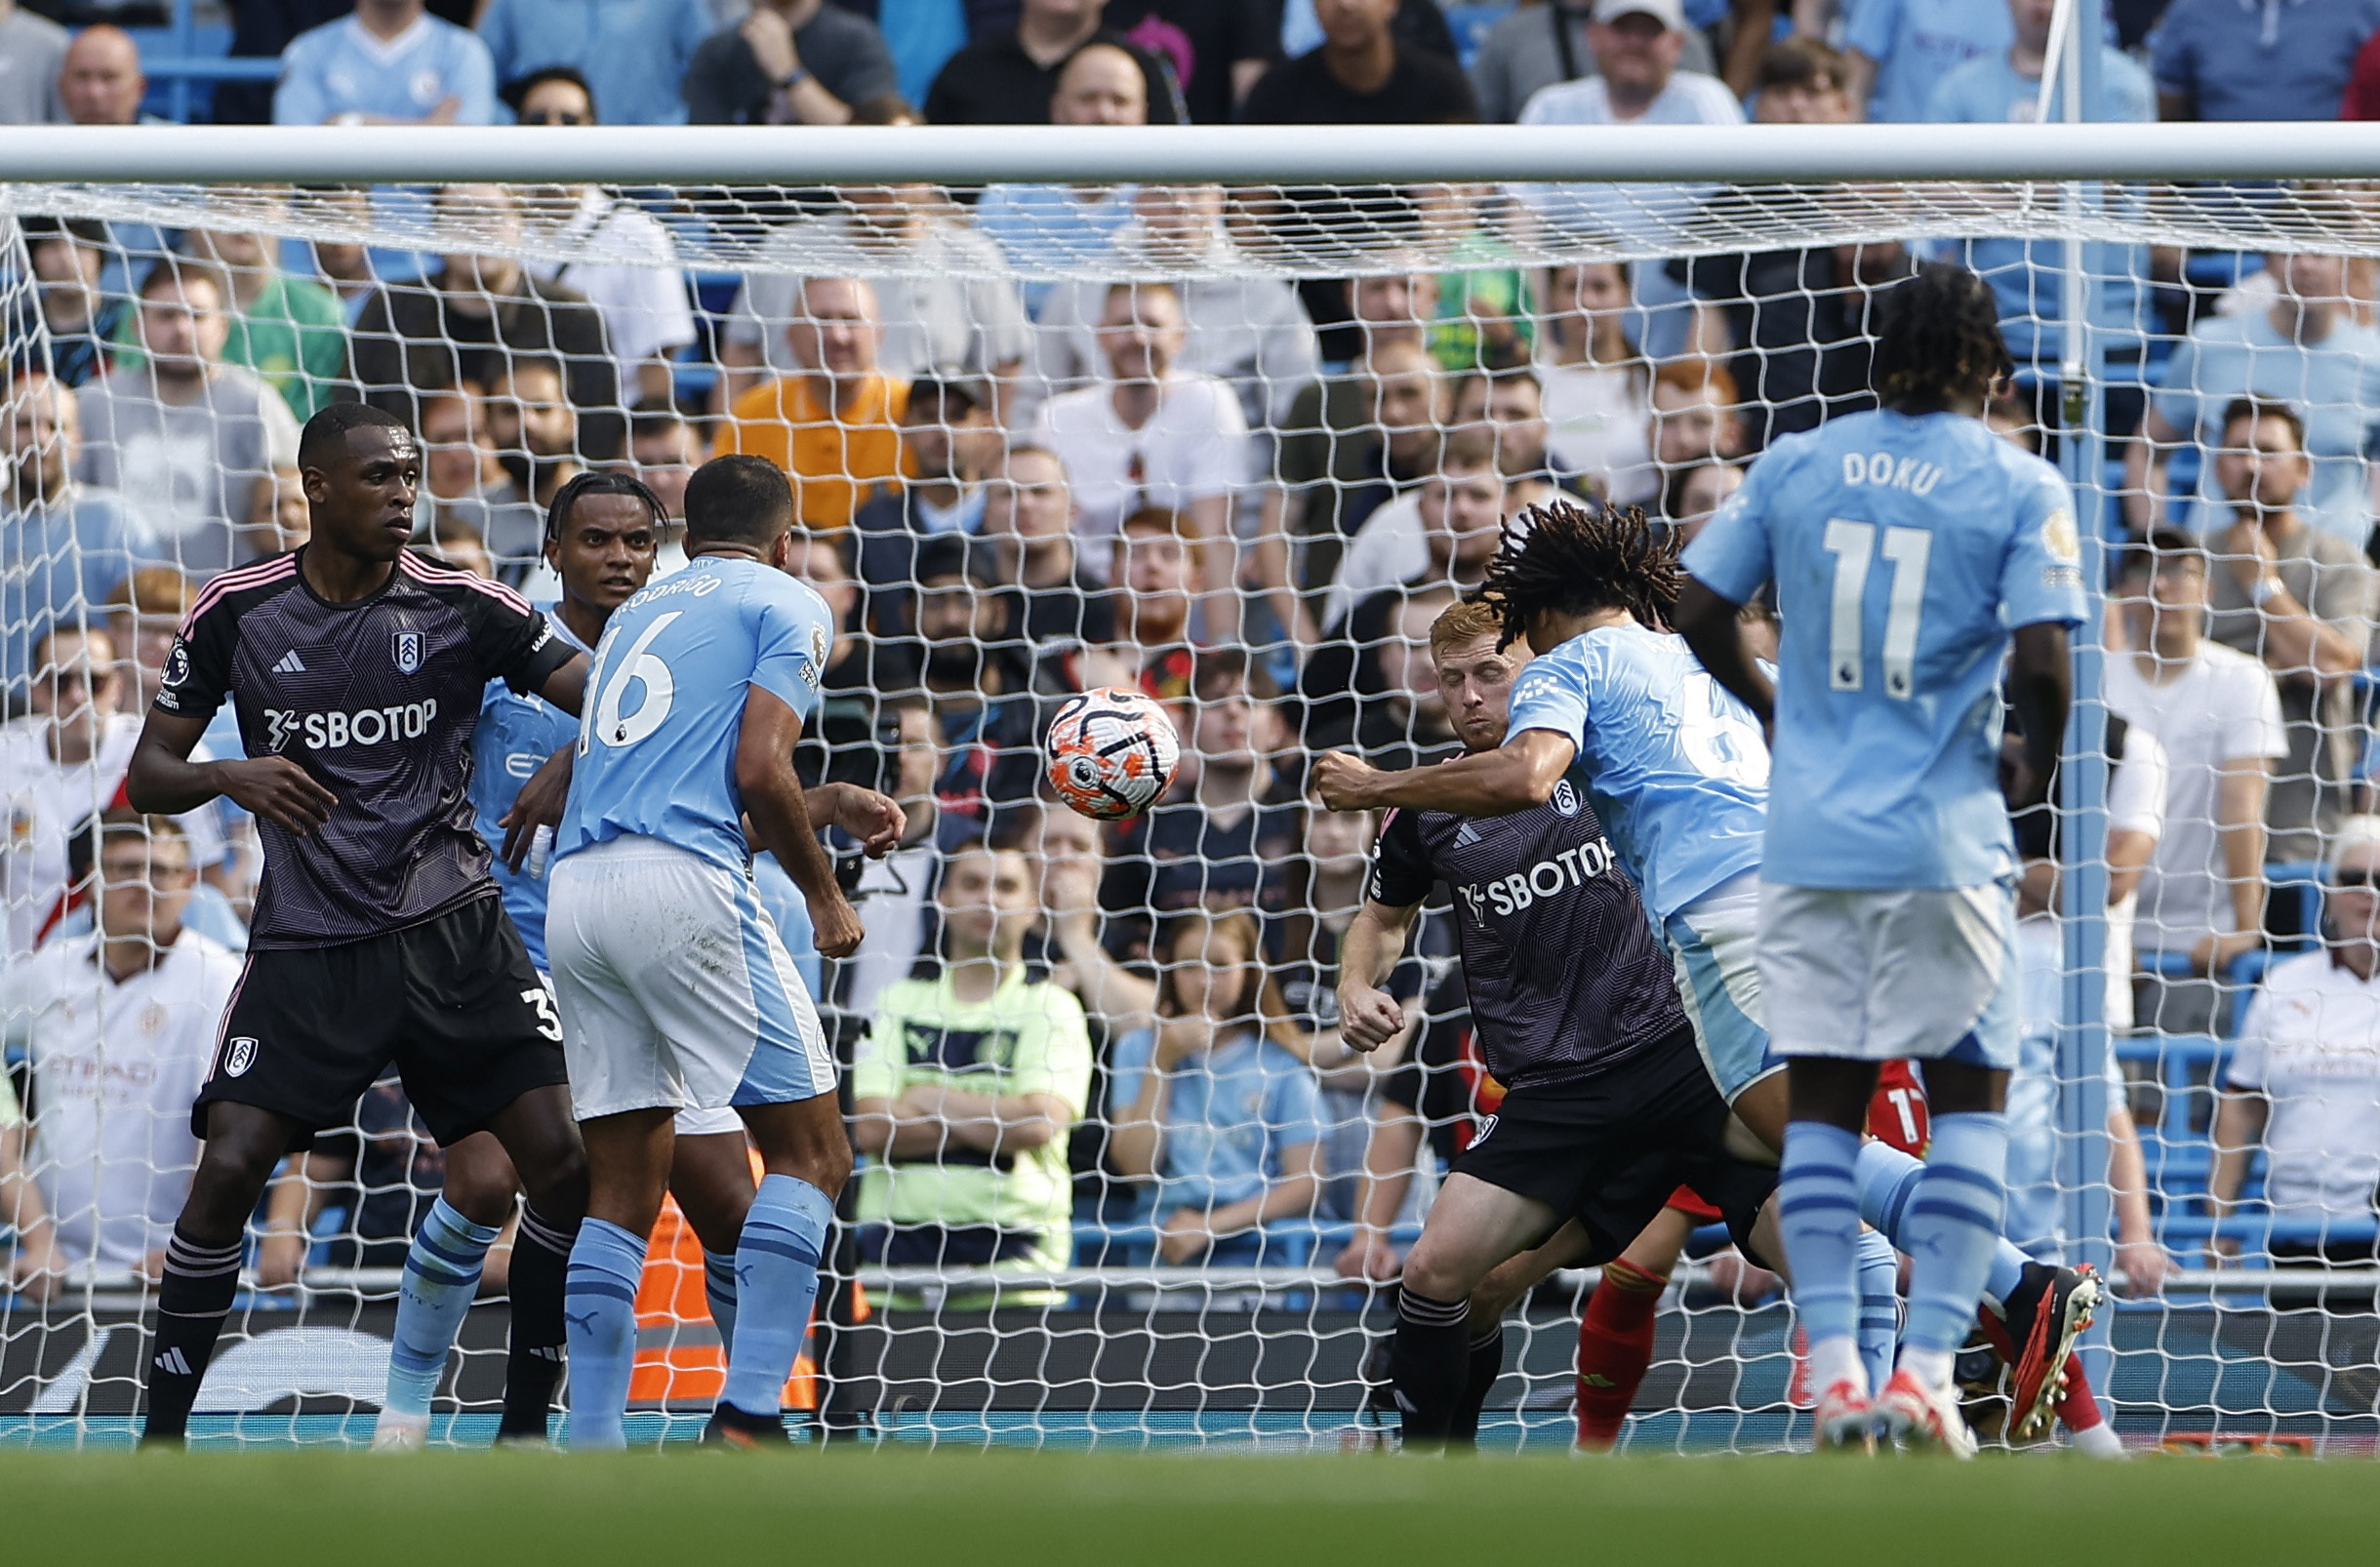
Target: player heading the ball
676	990
1907	545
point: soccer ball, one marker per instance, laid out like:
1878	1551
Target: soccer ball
1111	753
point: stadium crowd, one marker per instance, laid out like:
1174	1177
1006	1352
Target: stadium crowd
1248	498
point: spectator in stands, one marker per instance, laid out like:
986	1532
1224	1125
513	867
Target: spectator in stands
894	890
1154	599
663	450
1215	49
1224	834
1055	226
390	62
1249	331
345	266
1226	1121
1538	44
788	63
100	81
384	1171
647	317
2217	60
2302	601
1443	530
941	305
189	441
457	542
66	544
457	456
144	614
2303	350
986	683
1694	409
2304	1081
1700	491
1900	49
1353	440
289	330
534	432
33	51
967	1086
119	1026
1362	74
78	321
59	765
36	1269
467	319
1028	521
2218	714
834	425
2029	276
1596	384
949	443
1152	434
1509	406
1009	79
631	58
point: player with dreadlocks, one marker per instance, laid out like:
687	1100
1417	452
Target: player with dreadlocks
1616	708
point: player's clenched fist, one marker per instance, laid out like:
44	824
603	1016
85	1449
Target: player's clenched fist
835	928
278	790
1368	1019
874	818
1341	780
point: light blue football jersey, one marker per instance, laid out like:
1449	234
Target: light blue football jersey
664	703
1673	765
516	732
1905	547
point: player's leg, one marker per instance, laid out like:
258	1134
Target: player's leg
1473	1227
628	1161
710	1175
536	1131
1616	1330
807	1156
243	1143
441	1279
1818	1216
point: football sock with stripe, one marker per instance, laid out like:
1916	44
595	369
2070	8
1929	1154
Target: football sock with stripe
440	1279
1949	1230
193	1298
1429	1365
719	1289
1818	1220
533	1363
1615	1347
606	1265
777	1258
1481	1367
1879	1306
1888	1178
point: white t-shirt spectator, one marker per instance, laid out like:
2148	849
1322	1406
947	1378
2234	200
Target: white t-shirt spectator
1194	446
2136	803
633	281
32	52
2221	709
949	311
47	800
1598	422
191	469
1390	549
115	1067
2311	1045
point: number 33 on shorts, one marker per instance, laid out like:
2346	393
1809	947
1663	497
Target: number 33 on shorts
549	1021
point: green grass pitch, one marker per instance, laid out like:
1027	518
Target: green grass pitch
908	1508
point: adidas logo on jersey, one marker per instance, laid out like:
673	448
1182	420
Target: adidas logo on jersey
1466	835
290	664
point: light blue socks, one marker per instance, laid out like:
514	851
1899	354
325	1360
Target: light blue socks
441	1280
1879	1307
777	1262
1949	1227
1818	1220
1887	1179
599	1309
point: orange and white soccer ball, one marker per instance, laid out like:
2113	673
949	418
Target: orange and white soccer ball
1111	753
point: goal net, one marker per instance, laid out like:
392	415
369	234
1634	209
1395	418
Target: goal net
1236	446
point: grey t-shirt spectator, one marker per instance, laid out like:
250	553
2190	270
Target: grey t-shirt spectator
2332	578
59	562
190	468
726	85
2277	60
32	50
1524	52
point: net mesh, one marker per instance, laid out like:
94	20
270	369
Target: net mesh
1364	383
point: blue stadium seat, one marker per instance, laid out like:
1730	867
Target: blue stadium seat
1469	24
163	54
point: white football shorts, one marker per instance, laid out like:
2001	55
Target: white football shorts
676	990
1864	974
1714	942
688	1123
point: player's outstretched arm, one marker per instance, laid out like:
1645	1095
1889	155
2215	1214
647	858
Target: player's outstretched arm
1368	1015
1516	775
773	799
566	686
1708	623
162	780
2040	685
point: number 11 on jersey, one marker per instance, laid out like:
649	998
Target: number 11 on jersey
1853	546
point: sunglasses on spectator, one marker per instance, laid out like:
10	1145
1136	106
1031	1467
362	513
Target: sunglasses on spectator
555	117
2365	879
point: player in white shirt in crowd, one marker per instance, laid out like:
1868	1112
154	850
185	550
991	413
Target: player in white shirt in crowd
2218	715
2304	1081
119	1025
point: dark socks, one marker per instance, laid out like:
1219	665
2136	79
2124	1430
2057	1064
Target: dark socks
193	1300
1484	1366
1429	1364
541	1257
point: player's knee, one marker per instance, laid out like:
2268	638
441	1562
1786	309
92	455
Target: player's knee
231	1175
1437	1276
559	1189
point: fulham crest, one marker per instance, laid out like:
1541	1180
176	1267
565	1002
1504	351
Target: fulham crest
239	1055
407	652
1565	801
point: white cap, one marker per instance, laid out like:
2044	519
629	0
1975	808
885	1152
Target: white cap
1671	13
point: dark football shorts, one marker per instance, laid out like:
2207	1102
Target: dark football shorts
452	1002
1610	1150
